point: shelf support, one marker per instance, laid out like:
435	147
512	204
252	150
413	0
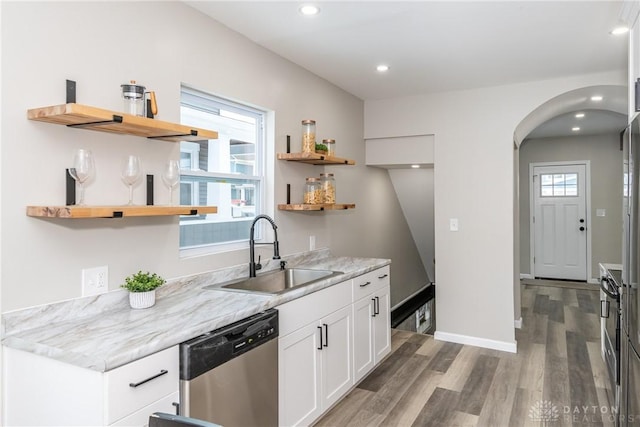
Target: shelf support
193	132
116	119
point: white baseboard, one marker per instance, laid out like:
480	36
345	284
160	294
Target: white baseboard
594	281
526	276
518	323
511	347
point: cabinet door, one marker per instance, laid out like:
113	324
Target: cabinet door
298	374
337	368
362	337
382	324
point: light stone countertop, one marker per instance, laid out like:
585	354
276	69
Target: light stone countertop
102	332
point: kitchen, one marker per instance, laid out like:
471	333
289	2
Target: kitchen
475	301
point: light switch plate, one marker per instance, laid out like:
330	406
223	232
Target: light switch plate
453	224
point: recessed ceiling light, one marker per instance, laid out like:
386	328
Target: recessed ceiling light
415	166
309	10
596	98
579	115
575	129
382	68
619	29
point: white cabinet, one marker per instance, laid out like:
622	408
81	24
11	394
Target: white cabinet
328	341
43	391
371	320
315	353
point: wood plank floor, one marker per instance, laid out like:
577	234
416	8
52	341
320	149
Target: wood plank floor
557	378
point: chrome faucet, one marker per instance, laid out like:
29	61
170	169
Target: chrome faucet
253	266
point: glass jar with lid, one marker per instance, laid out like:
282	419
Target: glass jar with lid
328	188
313	191
308	136
331	146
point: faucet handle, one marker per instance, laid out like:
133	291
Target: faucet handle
282	264
258	265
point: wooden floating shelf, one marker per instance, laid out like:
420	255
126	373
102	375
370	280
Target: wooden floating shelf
71	212
315	159
86	117
317	207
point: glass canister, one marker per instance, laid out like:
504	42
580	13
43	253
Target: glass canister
328	188
308	136
331	146
313	191
133	98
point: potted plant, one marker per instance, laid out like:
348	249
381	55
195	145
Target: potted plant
142	288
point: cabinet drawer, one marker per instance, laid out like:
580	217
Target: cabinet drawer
309	308
141	417
126	388
370	282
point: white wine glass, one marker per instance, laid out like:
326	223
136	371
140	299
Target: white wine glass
83	169
131	174
171	177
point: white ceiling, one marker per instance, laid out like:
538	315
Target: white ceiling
432	46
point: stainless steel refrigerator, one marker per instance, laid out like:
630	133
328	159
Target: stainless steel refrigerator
630	327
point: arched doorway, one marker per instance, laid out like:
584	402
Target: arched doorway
533	146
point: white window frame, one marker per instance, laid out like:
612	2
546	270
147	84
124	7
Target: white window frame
265	179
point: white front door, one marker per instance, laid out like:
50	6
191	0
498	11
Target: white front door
560	221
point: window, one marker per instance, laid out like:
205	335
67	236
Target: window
227	172
559	185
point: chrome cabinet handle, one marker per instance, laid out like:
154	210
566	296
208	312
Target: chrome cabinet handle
162	372
366	284
320	328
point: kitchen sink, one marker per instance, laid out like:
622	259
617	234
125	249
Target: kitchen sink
276	282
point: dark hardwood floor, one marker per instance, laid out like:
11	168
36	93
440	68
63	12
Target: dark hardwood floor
557	378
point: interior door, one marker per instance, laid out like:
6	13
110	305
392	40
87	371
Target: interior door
560	221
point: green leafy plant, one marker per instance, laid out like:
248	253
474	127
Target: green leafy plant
143	282
321	147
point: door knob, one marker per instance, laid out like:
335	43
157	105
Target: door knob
581	220
581	228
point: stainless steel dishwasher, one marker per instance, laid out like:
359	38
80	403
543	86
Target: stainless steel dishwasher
230	376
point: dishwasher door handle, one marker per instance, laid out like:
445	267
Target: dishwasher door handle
320	330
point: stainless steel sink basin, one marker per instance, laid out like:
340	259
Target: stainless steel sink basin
276	282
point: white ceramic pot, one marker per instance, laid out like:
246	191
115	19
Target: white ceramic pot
142	299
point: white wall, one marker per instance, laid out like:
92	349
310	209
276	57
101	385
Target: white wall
474	182
161	44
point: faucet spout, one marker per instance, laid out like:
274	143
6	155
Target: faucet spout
253	266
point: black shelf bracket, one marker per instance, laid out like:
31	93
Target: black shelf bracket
288	194
117	214
193	212
288	144
193	132
116	119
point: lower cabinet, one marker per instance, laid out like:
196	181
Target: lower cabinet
40	391
314	361
371	320
327	344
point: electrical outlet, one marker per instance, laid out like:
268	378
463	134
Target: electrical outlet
312	242
95	280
